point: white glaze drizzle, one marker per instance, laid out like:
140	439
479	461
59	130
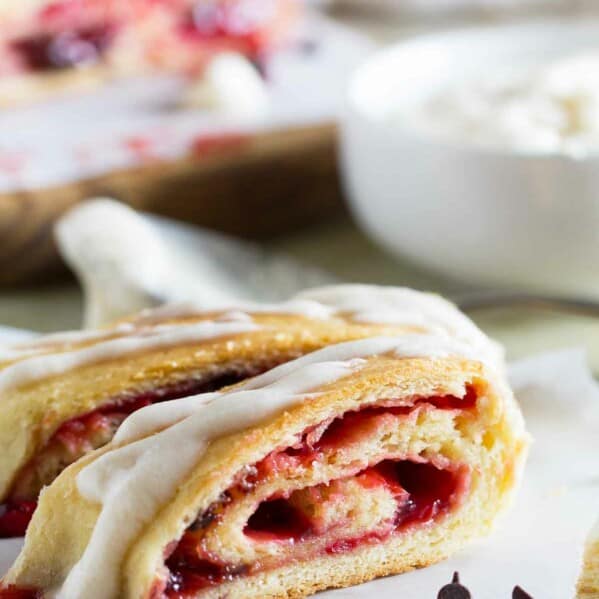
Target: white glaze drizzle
368	304
40	367
364	303
374	304
55	341
134	481
300	307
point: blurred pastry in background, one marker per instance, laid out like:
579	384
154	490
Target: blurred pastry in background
192	104
53	46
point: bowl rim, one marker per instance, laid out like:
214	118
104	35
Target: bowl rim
548	26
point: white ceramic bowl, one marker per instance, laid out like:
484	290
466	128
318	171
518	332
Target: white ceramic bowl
487	216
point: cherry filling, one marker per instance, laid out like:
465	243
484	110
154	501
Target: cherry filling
182	35
80	435
14	518
64	50
12	592
237	22
415	492
277	520
423	493
360	508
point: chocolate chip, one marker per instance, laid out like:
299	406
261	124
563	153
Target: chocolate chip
519	593
454	590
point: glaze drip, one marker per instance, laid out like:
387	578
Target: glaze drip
133	481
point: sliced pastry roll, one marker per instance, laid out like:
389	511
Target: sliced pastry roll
52	46
363	459
63	396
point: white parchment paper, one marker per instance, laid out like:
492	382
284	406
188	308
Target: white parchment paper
539	543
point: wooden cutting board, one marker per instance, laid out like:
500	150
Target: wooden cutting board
251	186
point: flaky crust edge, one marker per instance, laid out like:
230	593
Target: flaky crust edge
31	414
56	538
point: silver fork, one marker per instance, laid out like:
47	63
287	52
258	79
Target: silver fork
473	302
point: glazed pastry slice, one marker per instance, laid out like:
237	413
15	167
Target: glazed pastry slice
363	459
63	396
49	46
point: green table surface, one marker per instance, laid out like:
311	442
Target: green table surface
340	248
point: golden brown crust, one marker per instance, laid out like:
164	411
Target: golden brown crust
62	525
330	572
588	582
32	413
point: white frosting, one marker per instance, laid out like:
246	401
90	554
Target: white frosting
552	108
302	307
363	303
66	338
72	337
134	481
160	415
8	354
39	367
368	304
375	304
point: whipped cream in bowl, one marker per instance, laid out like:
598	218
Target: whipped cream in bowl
551	108
476	153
